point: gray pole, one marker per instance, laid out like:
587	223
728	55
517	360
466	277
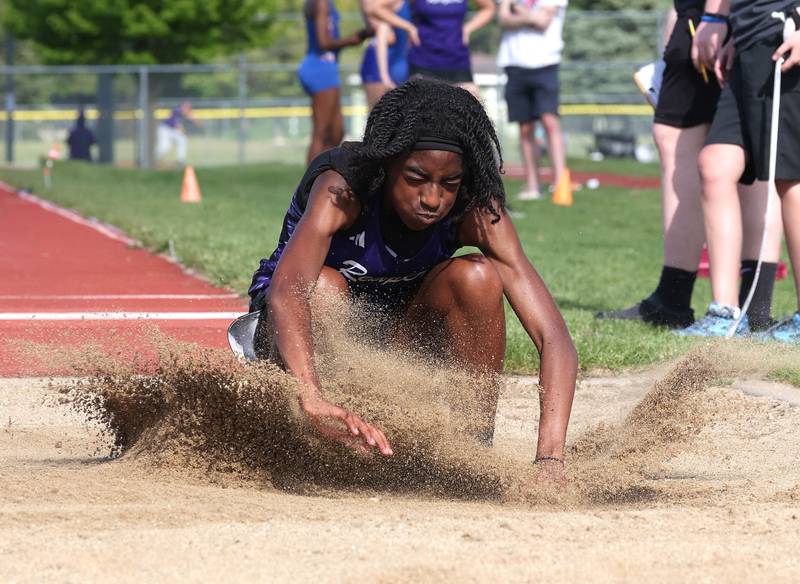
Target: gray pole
661	22
242	106
10	99
144	119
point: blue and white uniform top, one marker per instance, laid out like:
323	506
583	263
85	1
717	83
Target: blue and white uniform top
333	32
319	71
360	254
397	54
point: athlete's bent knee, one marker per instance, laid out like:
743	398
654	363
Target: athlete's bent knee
476	276
330	280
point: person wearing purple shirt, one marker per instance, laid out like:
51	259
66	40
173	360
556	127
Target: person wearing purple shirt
319	73
80	140
443	48
380	220
172	132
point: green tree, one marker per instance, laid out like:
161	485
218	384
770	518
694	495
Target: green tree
114	32
140	31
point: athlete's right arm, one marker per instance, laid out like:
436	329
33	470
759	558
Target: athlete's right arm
325	41
384	38
332	206
385	11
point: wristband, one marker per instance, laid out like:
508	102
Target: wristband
545	458
714	17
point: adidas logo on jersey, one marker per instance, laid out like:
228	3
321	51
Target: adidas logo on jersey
358	239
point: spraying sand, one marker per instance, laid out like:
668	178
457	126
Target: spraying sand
203	469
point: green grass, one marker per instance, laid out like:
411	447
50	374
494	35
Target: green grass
603	252
790	375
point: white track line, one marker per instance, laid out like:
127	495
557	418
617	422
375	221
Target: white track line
53	316
117	296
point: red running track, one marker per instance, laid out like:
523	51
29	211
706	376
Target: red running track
65	280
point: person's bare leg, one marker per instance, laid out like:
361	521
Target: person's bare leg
753	202
463	297
529	151
555	144
326	114
721	165
790	206
683	229
681	194
374	92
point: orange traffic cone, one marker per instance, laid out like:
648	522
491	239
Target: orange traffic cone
562	195
190	190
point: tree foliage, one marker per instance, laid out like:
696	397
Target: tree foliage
140	31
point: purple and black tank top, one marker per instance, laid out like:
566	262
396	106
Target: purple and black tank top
372	270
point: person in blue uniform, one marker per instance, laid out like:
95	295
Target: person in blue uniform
380	220
385	62
319	73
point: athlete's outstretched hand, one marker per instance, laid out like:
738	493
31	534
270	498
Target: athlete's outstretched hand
550	472
341	425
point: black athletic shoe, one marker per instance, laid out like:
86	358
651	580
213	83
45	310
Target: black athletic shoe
653	311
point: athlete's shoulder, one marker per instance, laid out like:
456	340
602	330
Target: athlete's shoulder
479	227
330	190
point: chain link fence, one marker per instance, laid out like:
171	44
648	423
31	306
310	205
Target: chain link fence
250	112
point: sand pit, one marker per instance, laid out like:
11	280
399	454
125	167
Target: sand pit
711	492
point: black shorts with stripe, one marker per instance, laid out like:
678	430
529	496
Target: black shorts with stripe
744	113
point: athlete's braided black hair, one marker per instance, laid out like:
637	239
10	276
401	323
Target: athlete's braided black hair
431	108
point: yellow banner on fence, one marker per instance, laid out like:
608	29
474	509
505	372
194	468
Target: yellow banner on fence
572	109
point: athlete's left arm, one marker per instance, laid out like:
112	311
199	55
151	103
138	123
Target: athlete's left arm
539	315
484	15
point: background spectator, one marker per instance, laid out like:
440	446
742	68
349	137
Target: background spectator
80	140
530	53
319	73
172	132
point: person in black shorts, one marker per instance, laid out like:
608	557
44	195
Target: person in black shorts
684	111
530	53
738	150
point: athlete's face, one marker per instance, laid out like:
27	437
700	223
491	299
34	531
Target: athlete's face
422	186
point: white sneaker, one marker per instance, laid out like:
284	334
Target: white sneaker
648	79
529	196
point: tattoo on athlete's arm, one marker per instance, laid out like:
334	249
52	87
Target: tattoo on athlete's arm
341	193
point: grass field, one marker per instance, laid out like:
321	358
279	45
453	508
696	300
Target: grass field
603	252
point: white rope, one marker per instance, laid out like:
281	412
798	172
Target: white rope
772	191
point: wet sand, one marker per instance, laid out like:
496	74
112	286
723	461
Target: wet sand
727	506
